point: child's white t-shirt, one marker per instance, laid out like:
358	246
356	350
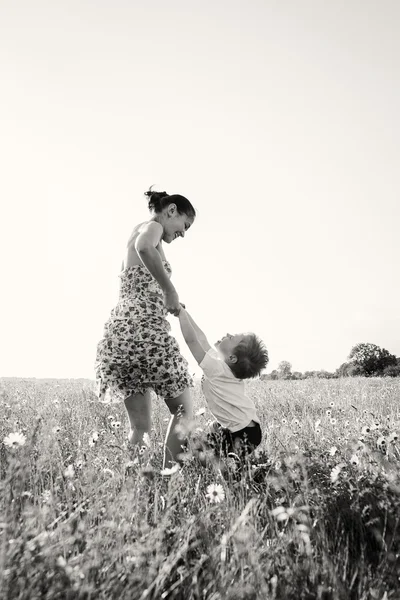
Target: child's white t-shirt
225	394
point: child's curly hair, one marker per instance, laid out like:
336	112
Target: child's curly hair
252	357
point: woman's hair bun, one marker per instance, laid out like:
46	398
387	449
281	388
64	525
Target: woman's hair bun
155	200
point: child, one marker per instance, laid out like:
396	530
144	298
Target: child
238	357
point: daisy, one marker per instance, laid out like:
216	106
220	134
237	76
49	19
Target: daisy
381	443
69	471
15	440
93	438
215	493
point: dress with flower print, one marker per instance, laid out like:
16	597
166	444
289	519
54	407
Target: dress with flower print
137	351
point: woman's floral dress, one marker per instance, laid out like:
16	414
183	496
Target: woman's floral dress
137	352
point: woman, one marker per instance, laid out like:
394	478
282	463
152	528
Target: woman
137	352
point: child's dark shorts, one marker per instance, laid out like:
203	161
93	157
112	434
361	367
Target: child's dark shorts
242	442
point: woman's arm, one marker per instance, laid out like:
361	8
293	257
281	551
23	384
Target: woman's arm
145	246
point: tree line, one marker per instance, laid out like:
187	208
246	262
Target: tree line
365	359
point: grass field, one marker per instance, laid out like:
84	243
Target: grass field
315	516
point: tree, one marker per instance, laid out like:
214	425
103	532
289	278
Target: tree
285	370
369	359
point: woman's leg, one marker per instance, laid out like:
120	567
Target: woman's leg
138	407
181	410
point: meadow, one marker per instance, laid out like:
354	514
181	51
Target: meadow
314	515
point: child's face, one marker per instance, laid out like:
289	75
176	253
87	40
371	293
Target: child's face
228	343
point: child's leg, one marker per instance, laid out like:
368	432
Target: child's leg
138	407
182	412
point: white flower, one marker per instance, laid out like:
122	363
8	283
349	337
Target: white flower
393	437
56	429
115	424
336	472
381	443
174	469
333	421
333	451
46	496
328	413
354	459
15	440
146	439
200	412
215	493
69	471
366	429
93	438
332	404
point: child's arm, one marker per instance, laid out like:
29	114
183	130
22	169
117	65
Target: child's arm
201	336
189	333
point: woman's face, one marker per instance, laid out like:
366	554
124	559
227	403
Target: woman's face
175	225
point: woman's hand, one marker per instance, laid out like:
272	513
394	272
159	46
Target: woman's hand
171	302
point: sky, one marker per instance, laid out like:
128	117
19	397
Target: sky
278	120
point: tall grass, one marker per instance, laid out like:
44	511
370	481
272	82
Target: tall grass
314	515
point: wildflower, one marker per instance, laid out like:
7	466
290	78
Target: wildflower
93	438
110	418
296	422
46	497
200	412
146	440
115	424
381	443
360	445
79	464
393	437
215	493
15	440
174	469
317	424
333	421
354	460
69	471
333	451
328	413
278	465
108	472
317	431
365	430
279	510
336	472
346	423
284	421
332	404
56	429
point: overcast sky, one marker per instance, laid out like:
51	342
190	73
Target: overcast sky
278	120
